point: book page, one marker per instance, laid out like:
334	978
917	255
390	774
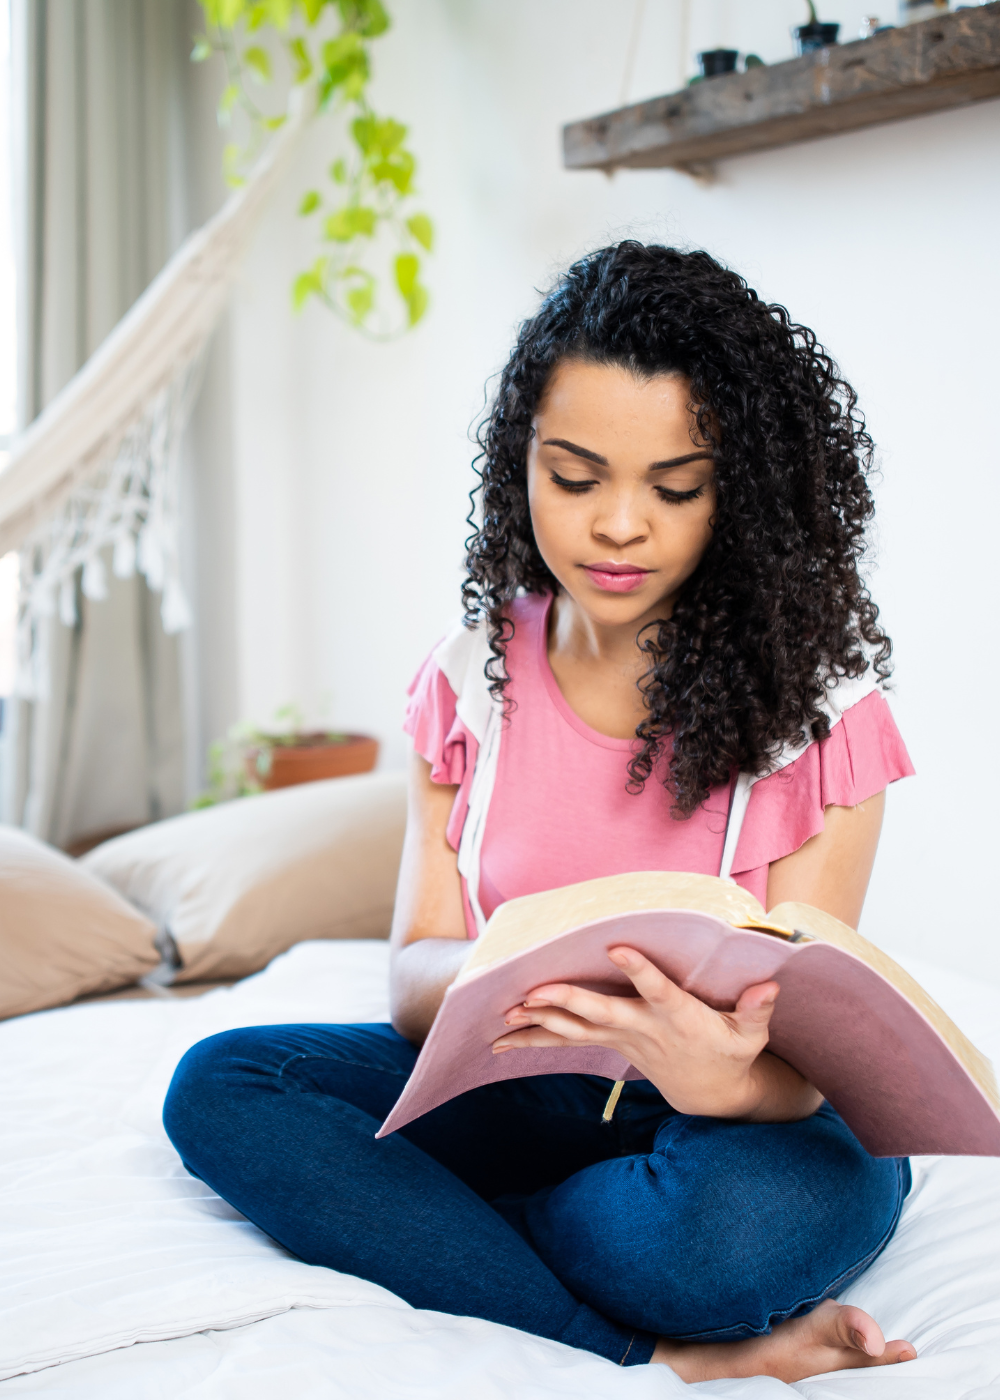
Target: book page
823	926
521	923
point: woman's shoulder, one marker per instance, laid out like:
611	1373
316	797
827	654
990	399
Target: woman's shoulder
863	753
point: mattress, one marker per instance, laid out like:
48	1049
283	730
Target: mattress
124	1277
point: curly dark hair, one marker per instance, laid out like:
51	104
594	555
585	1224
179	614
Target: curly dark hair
776	608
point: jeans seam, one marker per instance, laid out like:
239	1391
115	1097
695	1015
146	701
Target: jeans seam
837	1284
338	1060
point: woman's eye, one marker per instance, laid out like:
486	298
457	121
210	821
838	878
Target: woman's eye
673	497
577	488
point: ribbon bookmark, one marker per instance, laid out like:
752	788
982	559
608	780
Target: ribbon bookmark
613	1098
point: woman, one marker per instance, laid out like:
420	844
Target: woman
682	673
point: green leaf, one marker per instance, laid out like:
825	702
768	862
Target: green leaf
377	136
407	272
231	157
309	283
229	12
422	229
368	17
280	12
223	14
360	301
417	303
299	51
338	172
363	131
398	171
310	202
272	123
202	49
345	65
349	223
343	49
259	63
312	9
257	15
228	100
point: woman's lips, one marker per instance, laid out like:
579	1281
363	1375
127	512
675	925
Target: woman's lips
616	578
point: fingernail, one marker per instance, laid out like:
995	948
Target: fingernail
860	1342
499	1046
619	959
907	1356
536	1001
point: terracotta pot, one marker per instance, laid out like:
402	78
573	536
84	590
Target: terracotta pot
311	758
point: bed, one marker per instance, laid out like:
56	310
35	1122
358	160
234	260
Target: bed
124	1277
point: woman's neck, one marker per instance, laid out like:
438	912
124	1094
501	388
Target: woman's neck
576	637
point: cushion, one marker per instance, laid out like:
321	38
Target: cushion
234	885
62	932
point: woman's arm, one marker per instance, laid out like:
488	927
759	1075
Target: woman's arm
706	1062
429	939
831	871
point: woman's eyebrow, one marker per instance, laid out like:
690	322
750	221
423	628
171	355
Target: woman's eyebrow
584	452
680	461
589	456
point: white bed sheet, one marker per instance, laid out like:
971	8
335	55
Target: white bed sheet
109	1243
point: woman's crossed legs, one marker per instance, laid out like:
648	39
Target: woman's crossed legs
516	1203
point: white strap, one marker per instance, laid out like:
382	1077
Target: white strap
470	848
848	691
737	811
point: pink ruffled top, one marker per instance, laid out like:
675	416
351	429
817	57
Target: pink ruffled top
560	810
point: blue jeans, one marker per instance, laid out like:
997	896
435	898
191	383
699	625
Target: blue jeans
515	1203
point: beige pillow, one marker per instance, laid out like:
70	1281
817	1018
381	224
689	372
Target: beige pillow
235	885
62	932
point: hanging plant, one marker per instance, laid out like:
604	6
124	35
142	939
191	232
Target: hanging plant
365	223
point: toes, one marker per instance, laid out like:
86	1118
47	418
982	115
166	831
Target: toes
853	1328
899	1351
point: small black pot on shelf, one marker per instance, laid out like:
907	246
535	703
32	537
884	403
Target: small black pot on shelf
815	35
715	62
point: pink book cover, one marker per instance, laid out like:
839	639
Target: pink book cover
873	1055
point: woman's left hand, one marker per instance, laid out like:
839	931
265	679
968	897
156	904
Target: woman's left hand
704	1062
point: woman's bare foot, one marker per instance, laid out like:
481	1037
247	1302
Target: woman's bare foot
830	1338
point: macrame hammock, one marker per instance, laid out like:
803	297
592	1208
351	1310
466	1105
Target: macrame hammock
100	465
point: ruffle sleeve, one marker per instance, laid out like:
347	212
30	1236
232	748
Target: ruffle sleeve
441	737
862	756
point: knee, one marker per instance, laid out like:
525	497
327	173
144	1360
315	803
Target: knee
202	1086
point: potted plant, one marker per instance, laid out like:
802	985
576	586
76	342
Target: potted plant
715	62
250	759
817	34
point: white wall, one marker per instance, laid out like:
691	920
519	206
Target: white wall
352	463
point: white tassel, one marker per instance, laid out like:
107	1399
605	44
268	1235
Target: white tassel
123	559
95	579
151	557
175	611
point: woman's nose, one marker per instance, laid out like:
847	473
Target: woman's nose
622	522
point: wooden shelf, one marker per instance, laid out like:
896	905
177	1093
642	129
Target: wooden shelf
926	67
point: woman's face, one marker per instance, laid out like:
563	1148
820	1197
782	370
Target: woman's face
620	489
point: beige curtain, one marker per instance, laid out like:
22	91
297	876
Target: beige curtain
98	94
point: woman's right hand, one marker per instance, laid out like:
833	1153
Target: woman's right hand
429	940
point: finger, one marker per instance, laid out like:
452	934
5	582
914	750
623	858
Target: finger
564	1023
612	1011
651	984
535	1037
754	1009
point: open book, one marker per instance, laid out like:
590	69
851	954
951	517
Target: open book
901	1074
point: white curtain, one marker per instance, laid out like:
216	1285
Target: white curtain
98	97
